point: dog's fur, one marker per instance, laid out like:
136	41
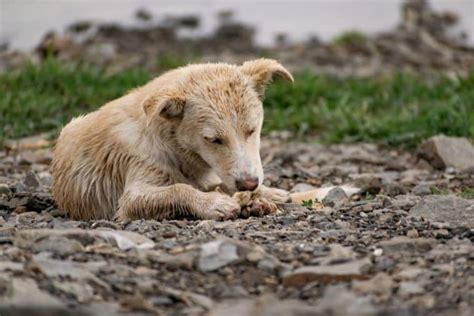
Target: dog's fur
160	150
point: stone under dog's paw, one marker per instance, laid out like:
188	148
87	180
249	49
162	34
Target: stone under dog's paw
275	195
220	207
259	207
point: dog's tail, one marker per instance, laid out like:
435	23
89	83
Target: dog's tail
320	194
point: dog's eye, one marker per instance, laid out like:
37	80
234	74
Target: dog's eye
214	140
250	132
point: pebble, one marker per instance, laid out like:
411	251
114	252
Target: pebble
335	196
4	189
217	254
31	180
329	273
408	288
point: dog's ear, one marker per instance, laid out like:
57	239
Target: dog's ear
262	71
165	106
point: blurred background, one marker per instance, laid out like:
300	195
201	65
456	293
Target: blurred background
358	62
24	22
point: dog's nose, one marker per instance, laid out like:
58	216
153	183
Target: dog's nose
247	184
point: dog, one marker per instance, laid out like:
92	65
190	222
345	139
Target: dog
161	150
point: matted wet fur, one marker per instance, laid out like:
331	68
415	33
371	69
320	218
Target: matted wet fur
159	151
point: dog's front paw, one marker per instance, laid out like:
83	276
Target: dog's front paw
219	207
275	195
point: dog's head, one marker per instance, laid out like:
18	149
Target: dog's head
216	112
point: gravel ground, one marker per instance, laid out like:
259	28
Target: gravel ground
402	246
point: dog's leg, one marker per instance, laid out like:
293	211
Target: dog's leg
275	195
153	202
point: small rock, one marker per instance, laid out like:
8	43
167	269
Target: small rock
54	268
266	305
442	152
368	182
441	233
302	187
408	288
45	178
56	244
183	260
413	176
421	189
338	301
122	239
378	252
405	202
412	233
394	189
335	196
340	253
23	292
254	256
206	225
409	273
403	243
329	273
216	254
381	285
31	180
5	190
20	187
83	292
267	265
11	266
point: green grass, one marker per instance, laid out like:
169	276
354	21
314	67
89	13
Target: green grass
438	191
43	98
467	193
397	110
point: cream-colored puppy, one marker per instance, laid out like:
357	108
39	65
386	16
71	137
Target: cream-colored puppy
159	151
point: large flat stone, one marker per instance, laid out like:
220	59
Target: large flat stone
23	292
442	151
446	208
353	270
